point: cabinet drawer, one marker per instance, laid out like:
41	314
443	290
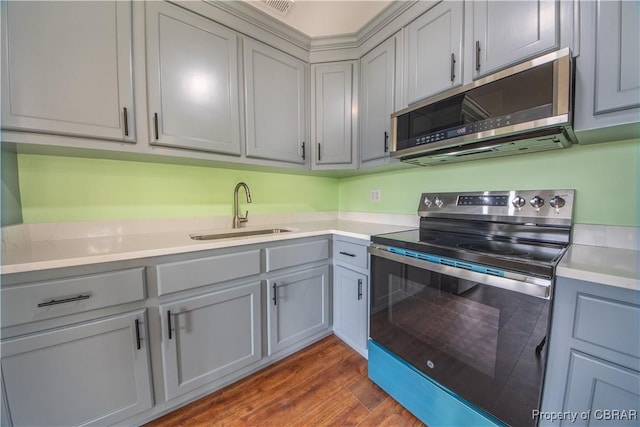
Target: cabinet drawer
350	253
54	298
182	275
298	254
597	317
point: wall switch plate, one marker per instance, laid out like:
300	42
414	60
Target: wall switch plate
375	195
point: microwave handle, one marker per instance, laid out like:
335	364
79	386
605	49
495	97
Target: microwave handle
532	286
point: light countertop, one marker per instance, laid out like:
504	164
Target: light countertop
33	255
607	266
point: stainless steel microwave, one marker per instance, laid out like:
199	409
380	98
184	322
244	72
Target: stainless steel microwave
523	109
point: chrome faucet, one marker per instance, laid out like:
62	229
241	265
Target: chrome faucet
237	219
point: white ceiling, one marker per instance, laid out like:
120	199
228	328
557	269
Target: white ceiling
318	18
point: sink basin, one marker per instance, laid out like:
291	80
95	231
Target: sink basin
239	233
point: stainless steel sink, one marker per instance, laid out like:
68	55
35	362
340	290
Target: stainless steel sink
243	233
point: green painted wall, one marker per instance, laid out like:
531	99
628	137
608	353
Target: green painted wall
605	177
56	189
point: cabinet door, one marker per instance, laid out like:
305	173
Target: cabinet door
275	94
434	51
96	372
377	83
617	84
332	115
192	81
66	68
507	32
350	316
210	336
298	307
603	390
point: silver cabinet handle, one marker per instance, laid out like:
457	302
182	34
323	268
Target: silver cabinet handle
453	66
64	300
126	122
477	55
359	289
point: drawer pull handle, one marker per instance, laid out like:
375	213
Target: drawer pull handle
359	289
275	294
169	323
64	301
348	254
138	334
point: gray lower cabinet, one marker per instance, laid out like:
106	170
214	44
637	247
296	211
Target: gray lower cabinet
297	307
351	292
608	72
192	81
209	336
89	373
71	76
276	104
593	366
350	308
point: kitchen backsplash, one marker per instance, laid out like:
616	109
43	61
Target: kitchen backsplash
60	189
605	177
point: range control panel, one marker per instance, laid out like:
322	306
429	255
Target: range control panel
546	206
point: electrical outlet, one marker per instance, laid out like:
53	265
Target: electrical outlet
375	195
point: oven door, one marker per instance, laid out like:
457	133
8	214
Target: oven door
483	342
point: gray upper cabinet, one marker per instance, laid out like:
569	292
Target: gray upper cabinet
209	336
507	32
276	111
67	68
377	94
608	72
434	51
192	73
89	373
332	106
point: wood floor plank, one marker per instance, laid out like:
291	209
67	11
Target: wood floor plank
325	384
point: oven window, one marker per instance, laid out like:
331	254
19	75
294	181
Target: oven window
476	340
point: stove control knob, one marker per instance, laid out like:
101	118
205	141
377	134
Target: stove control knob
427	202
557	202
438	201
518	202
537	202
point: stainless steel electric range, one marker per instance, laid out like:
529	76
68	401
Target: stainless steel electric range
463	303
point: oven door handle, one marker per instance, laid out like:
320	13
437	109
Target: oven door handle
527	285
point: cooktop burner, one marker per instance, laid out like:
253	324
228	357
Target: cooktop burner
495	248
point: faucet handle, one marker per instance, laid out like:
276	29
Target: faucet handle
244	218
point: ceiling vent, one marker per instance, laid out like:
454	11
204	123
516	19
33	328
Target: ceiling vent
281	7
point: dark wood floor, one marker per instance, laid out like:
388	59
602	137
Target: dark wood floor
325	384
